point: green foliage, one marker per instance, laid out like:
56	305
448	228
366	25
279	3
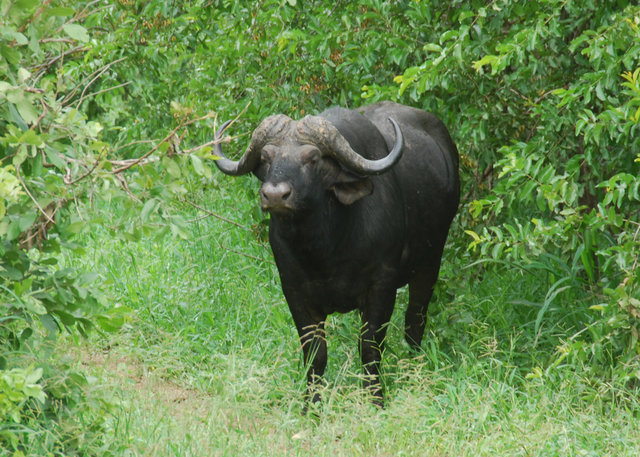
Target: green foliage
107	112
16	387
57	410
44	143
544	100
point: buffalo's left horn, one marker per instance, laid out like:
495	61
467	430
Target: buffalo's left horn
271	127
331	142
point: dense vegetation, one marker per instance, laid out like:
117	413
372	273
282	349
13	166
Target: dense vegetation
113	218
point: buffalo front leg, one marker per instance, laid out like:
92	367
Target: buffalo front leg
314	349
374	328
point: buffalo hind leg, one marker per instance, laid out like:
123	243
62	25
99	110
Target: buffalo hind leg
415	320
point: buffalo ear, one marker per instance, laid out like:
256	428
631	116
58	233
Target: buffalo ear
351	189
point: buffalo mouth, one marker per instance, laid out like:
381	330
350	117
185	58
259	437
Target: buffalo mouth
278	210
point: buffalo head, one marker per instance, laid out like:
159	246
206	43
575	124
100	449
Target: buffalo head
299	162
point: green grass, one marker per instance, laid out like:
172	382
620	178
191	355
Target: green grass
209	364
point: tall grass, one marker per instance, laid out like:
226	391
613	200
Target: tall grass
209	363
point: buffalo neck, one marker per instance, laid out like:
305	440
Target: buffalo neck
317	236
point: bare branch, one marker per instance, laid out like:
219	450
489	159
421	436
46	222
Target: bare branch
249	256
217	216
56	40
133	143
24	185
45	110
164	140
67	179
83	97
208	143
125	186
126	162
97	76
42	68
35	15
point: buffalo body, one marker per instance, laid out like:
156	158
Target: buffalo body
351	222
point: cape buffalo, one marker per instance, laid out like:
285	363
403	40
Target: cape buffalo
361	201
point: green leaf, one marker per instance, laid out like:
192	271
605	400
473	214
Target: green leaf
432	47
27	220
199	167
23	74
27	111
465	15
77	32
172	167
600	93
35	306
32	138
54	158
75	227
11	54
33	376
14	115
148	207
49	323
552	293
20	38
59	11
486	60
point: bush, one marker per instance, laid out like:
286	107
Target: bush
549	140
107	114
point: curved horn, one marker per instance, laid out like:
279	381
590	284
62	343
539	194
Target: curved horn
272	126
330	141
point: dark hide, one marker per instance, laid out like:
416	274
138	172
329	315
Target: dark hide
343	241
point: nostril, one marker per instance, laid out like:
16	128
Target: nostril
274	193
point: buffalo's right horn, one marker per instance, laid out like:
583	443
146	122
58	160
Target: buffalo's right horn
271	127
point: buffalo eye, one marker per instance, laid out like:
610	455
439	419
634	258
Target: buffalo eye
266	158
309	154
268	153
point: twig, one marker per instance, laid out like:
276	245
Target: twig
56	40
208	143
35	15
217	216
199	218
485	174
125	186
41	117
82	97
85	11
125	162
68	181
146	154
24	185
239	114
249	256
42	68
92	77
134	143
100	73
34	90
155	148
635	236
